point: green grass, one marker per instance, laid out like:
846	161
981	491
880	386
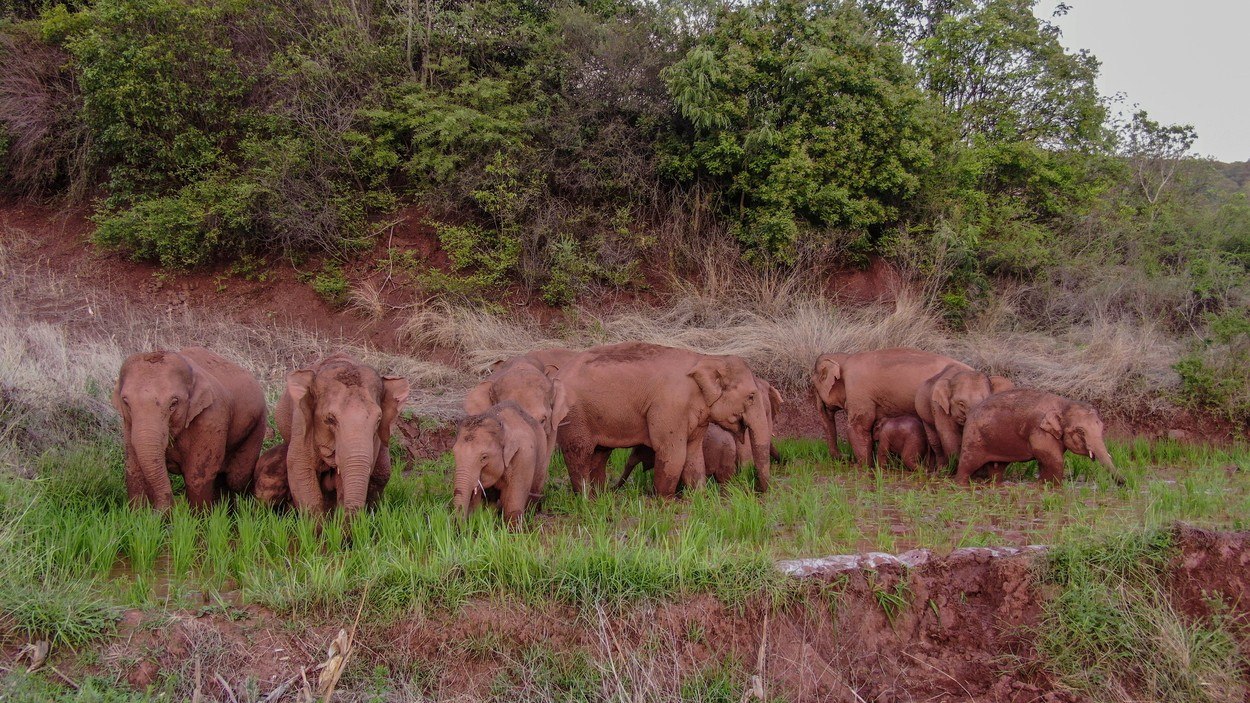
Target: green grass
72	529
1112	627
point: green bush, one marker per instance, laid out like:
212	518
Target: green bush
1216	375
768	99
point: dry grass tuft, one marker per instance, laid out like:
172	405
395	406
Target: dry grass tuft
60	351
779	325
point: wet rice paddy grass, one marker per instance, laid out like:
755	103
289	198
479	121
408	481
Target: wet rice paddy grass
73	552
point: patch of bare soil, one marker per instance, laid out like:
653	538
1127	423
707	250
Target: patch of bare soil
952	628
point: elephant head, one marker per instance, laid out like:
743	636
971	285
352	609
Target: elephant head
159	394
530	385
342	413
760	414
1080	429
482	452
729	389
958	391
827	382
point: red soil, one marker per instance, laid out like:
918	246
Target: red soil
964	633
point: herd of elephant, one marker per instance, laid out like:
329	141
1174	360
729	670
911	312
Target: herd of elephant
686	415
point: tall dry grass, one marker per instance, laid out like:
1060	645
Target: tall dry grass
61	348
780	324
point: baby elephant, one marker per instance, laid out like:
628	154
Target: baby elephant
501	455
903	436
189	412
1025	423
720	456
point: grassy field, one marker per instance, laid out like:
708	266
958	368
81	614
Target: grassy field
74	552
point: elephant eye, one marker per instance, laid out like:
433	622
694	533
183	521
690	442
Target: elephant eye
173	402
331	420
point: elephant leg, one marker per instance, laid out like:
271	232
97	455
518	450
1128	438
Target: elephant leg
670	460
911	454
241	463
938	460
380	477
883	452
598	469
859	431
577	457
512	501
950	434
1050	467
969	463
694	469
640	455
201	471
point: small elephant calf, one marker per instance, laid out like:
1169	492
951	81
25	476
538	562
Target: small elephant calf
501	455
1025	423
903	436
720	456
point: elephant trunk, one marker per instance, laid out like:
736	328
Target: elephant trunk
467	480
1102	456
150	447
355	466
761	446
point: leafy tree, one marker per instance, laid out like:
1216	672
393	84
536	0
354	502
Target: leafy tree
802	122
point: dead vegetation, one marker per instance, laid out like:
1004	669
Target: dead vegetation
780	324
60	349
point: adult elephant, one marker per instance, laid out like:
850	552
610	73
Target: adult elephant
761	414
1026	423
870	385
630	394
525	381
943	402
337	417
190	412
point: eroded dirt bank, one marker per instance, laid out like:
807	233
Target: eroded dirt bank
871	628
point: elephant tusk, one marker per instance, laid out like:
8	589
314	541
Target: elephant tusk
1091	453
480	487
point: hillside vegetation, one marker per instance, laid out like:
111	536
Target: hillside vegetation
572	147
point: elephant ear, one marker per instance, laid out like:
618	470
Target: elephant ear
708	373
299	390
495	365
998	384
942	390
395	391
479	399
202	395
1052	425
117	397
828	372
559	402
774	398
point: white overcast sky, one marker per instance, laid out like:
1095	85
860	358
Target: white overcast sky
1184	62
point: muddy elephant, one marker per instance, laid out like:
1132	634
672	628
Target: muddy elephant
269	482
630	394
525	381
902	436
190	412
943	402
764	414
869	385
501	456
1025	423
336	417
720	457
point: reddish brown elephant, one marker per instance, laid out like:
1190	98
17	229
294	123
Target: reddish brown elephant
336	417
720	457
902	436
525	381
943	402
501	456
625	395
1025	423
869	385
190	412
762	414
